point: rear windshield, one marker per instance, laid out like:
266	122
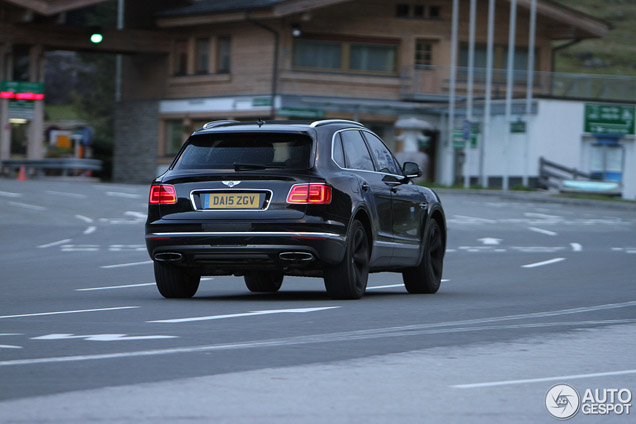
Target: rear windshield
246	151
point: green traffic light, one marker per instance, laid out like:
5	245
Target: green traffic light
96	38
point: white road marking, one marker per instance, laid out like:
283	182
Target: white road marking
489	241
90	230
246	314
10	347
84	218
127	247
393	285
542	231
136	214
548	262
117	287
55	243
121	194
101	337
576	247
66	194
541	215
385	287
9	194
474	220
543	380
125	265
27	206
301	340
80	248
537	249
40	314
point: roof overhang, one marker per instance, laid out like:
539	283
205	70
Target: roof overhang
276	10
52	7
566	23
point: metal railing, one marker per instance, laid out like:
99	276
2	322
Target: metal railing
422	82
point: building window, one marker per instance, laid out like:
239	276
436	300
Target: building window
423	53
175	136
181	57
417	11
374	58
224	54
345	56
402	10
317	54
202	52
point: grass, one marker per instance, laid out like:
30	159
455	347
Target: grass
57	112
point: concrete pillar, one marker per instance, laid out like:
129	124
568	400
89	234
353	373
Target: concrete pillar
6	73
36	127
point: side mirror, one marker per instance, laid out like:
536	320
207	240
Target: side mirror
411	170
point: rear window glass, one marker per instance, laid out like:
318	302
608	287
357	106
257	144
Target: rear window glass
227	151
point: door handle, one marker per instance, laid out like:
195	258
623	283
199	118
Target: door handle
365	187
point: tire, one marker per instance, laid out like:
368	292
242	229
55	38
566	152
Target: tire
174	282
348	279
427	276
264	282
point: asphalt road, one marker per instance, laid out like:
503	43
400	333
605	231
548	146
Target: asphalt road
535	294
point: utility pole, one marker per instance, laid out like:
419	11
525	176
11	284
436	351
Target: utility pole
509	89
489	60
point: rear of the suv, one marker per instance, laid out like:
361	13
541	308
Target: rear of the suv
235	201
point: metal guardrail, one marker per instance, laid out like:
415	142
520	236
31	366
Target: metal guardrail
421	81
68	166
571	180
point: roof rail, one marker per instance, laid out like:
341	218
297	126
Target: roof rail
334	121
219	123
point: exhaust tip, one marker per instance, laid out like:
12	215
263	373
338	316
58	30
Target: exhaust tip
296	256
168	257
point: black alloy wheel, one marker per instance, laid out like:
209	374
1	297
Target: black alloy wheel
263	281
174	282
348	279
427	276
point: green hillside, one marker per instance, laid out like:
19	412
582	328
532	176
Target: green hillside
614	54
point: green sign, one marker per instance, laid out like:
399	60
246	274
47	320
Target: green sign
301	113
609	119
460	143
22	87
24	109
518	127
261	101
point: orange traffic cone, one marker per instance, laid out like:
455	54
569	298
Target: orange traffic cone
22	174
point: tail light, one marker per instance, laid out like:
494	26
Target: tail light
310	193
162	194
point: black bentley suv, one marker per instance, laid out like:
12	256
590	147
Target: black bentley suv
268	199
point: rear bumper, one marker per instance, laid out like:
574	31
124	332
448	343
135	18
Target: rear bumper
234	252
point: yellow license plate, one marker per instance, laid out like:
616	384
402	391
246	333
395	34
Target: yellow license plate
232	200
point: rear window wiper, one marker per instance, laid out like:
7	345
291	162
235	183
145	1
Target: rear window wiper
251	166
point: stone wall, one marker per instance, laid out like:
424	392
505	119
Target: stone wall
136	135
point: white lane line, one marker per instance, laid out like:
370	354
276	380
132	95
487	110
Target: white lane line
27	206
66	194
548	262
9	194
475	219
10	347
125	265
90	230
136	214
543	379
576	247
385	287
391	286
55	243
121	194
246	314
116	287
541	215
102	337
294	341
84	218
542	231
40	314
